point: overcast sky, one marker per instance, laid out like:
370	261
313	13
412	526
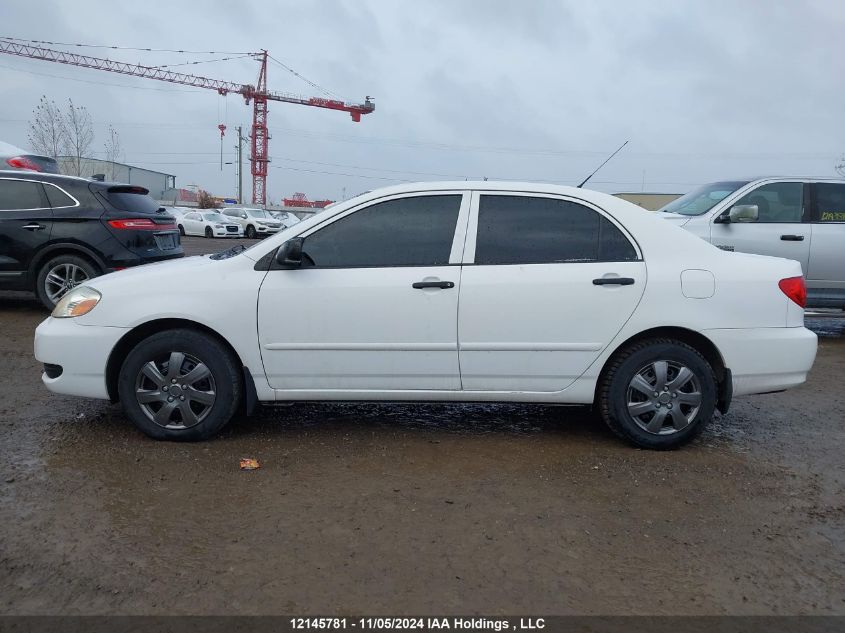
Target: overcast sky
527	90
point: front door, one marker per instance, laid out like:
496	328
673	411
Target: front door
25	224
781	230
548	283
374	306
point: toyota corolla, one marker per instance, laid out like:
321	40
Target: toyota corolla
442	292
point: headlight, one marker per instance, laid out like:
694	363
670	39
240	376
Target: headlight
218	226
77	302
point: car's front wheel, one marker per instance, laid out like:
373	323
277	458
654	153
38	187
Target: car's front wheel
181	230
209	232
250	232
658	394
180	385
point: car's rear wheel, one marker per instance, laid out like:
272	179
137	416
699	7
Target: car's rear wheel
61	274
658	394
209	232
250	232
180	385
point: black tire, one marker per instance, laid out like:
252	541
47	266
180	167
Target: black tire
225	383
209	232
49	291
181	230
250	232
644	358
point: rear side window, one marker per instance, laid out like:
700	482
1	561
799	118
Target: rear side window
58	198
134	199
830	202
414	231
532	230
21	194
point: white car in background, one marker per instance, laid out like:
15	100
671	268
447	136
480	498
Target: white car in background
567	296
12	157
286	218
208	223
254	222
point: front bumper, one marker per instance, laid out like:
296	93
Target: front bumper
267	229
81	351
766	359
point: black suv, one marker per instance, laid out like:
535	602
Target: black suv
57	231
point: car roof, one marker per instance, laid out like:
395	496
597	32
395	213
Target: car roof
39	175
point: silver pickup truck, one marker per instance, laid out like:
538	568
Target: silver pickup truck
796	218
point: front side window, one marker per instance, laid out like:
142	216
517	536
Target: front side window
415	231
777	202
531	230
830	202
20	194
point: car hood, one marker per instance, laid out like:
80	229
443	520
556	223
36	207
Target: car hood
675	218
152	273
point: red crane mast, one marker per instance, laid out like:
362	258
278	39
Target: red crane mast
257	94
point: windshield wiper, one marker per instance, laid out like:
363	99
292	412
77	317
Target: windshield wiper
229	252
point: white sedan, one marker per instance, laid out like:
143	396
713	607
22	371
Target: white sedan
566	296
208	224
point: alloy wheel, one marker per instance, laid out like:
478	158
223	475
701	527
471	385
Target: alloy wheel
61	278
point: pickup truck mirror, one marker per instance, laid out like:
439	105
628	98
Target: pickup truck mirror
289	254
744	213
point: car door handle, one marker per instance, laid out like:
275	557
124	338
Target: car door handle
433	284
613	281
792	238
33	227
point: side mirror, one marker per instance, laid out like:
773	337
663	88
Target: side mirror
244	216
289	254
744	213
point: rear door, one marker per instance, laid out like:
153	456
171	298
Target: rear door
826	273
782	228
547	282
26	221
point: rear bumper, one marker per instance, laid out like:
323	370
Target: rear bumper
766	359
81	351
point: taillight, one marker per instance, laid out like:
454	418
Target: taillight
140	224
795	289
22	162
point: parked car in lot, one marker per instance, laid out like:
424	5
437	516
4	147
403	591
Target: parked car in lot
57	232
796	218
209	224
12	157
287	219
566	296
255	222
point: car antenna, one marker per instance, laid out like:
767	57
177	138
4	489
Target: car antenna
584	182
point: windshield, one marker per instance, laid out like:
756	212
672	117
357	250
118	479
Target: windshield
257	213
215	217
704	198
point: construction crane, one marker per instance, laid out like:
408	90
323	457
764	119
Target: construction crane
257	94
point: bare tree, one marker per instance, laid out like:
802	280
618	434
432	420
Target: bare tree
114	151
47	129
840	166
79	133
206	201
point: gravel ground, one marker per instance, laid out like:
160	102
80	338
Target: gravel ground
363	508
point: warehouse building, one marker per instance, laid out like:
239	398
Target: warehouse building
157	182
650	201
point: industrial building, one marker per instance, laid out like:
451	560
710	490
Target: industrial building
650	201
157	182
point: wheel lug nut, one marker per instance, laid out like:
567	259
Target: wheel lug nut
164	388
170	398
173	380
656	394
668	406
181	397
675	395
